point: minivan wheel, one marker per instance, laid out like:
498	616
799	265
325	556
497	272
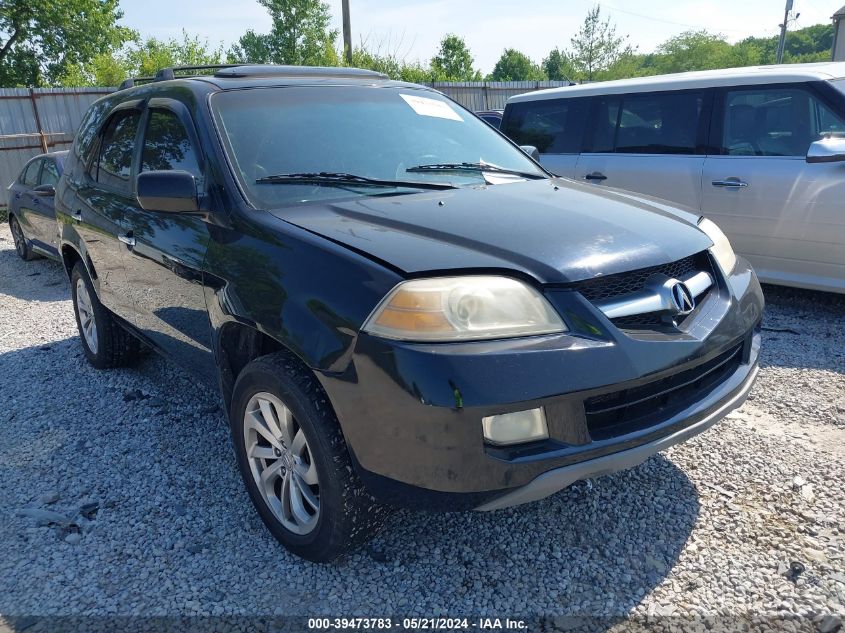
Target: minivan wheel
105	342
295	464
22	246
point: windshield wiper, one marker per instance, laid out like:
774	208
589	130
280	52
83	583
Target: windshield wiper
340	179
480	167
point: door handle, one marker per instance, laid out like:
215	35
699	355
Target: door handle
126	238
730	182
76	215
596	175
36	200
18	195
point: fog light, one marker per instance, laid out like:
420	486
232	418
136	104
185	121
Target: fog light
516	427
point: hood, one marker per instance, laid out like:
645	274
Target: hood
557	231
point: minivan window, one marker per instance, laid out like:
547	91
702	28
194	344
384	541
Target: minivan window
30	176
116	148
662	123
167	145
377	133
775	122
553	126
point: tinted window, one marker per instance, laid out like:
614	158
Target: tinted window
30	176
663	123
167	145
775	122
50	173
553	126
116	148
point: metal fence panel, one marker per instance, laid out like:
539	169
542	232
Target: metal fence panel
34	119
489	95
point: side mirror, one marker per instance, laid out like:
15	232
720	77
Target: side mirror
827	150
173	191
44	190
532	151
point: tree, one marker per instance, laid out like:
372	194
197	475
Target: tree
300	35
41	41
693	50
596	46
557	66
454	61
516	66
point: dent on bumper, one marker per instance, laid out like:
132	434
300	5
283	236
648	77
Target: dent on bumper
555	480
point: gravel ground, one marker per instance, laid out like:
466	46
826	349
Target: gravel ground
745	521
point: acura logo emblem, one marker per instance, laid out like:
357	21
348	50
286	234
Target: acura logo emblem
682	298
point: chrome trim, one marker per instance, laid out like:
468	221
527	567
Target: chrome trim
655	297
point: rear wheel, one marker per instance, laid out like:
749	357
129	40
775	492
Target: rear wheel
105	342
295	464
22	247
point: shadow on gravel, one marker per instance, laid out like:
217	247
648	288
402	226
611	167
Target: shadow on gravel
39	280
174	531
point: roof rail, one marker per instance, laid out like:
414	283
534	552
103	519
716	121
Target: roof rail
253	70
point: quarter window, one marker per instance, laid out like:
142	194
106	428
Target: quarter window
30	176
662	123
553	126
167	145
117	146
776	122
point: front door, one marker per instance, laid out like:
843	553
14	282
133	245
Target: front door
165	254
780	212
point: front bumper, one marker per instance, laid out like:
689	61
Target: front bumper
411	413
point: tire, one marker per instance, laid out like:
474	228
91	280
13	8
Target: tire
105	342
346	514
22	246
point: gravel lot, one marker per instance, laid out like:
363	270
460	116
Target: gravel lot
744	522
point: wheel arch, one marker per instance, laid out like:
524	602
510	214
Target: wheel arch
71	255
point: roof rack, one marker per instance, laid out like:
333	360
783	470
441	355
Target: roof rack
252	70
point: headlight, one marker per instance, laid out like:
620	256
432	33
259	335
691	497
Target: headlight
721	248
462	309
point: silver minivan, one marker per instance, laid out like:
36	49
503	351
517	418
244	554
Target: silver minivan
760	150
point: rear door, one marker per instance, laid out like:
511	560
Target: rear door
785	215
554	126
43	197
649	143
165	251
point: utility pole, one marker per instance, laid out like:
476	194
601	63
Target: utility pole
782	41
347	33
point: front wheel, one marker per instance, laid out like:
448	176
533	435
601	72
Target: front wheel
295	464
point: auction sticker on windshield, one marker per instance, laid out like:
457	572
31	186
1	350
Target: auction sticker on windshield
431	107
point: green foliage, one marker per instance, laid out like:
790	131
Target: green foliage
516	66
389	63
557	66
41	41
453	61
300	35
596	47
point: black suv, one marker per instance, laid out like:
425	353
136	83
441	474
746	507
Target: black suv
399	305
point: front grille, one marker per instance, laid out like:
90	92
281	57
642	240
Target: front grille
620	412
620	284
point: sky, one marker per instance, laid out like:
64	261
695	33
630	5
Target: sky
413	29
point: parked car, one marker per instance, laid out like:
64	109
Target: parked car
759	150
399	306
32	218
493	117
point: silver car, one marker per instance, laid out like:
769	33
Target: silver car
760	151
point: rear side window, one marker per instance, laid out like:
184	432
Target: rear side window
661	123
553	126
116	148
167	145
30	175
776	122
50	173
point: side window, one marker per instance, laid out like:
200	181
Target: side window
661	123
50	173
775	122
116	148
553	126
30	176
168	146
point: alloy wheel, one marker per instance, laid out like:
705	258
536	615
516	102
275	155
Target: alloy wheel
281	463
17	235
86	315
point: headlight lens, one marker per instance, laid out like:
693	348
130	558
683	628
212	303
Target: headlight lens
461	309
721	249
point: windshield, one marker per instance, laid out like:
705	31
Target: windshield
383	134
